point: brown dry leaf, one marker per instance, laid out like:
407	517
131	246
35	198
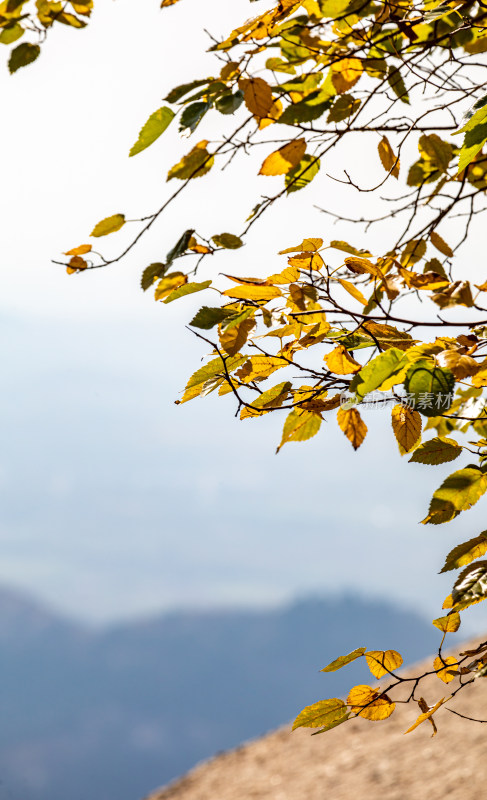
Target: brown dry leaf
447	668
340	362
233	339
370	703
389	161
281	161
257	95
272	115
406	424
428	714
352	426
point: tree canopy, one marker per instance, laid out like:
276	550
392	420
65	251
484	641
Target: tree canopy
395	319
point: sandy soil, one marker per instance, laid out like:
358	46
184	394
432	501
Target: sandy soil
360	759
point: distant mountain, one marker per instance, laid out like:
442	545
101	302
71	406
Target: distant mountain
109	715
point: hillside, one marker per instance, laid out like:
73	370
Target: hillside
356	760
112	713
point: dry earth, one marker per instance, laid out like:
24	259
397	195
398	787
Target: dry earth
359	759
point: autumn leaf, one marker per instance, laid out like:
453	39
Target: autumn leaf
342	661
108	225
233	338
370	703
281	161
352	290
459	492
465	553
447	668
471	584
352	426
340	362
382	662
346	73
257	96
440	244
193	165
427	714
82	250
406	424
448	624
436	451
389	161
322	713
256	293
153	129
300	425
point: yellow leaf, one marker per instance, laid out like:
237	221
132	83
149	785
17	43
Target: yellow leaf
462	366
288	275
370	703
427	714
281	161
272	398
108	225
168	284
346	73
386	154
363	265
257	95
340	362
322	713
308	245
463	554
233	338
446	668
300	426
448	624
306	261
406	424
194	164
382	662
260	367
341	661
82	250
352	289
253	292
272	115
352	426
440	244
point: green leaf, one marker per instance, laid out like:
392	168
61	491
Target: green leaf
304	111
108	225
459	492
207	317
228	241
465	553
472	144
192	116
153	128
228	103
23	55
10	34
437	451
429	388
187	288
180	247
302	174
179	91
343	660
322	713
151	273
377	371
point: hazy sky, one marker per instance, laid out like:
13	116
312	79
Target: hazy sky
115	502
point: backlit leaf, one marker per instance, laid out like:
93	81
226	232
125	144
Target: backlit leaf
153	128
322	713
448	624
370	703
429	388
302	174
447	668
440	244
299	426
346	73
382	662
352	290
233	338
389	161
465	553
352	426
193	165
406	424
207	318
436	451
257	95
214	368
249	292
281	161
376	372
341	661
188	288
427	714
108	225
227	240
459	492
471	584
82	250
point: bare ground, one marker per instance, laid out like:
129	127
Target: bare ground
359	759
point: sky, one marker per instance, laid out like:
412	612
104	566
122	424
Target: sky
115	502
